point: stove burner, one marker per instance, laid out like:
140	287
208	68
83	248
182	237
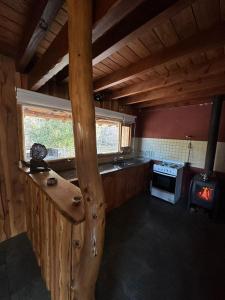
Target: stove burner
170	164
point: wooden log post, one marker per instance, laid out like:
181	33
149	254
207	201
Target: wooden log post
12	216
81	95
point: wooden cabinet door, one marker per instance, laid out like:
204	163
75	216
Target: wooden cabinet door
120	186
107	180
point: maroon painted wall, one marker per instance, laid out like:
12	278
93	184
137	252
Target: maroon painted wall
178	122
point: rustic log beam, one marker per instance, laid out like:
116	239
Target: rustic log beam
202	86
56	57
173	101
202	41
11	189
114	15
39	21
190	73
32	29
203	101
131	26
114	34
81	95
7	49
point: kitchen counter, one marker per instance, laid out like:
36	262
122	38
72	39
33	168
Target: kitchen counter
71	174
121	180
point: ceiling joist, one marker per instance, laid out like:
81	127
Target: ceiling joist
146	16
134	25
176	103
192	72
202	85
202	41
42	15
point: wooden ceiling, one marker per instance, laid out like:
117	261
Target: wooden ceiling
167	54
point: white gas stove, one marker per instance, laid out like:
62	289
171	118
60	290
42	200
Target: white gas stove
167	180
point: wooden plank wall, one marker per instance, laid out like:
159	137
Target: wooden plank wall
12	217
53	88
56	241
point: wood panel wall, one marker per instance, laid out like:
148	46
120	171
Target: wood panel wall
12	218
55	238
54	88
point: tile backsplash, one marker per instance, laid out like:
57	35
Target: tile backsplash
172	149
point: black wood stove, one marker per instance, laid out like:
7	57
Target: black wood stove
204	192
204	188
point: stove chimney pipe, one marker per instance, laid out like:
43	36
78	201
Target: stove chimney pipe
213	134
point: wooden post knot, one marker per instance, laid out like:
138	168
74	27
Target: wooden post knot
76	200
76	244
94	216
72	286
43	24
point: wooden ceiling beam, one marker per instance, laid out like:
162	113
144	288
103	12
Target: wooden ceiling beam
187	102
56	57
133	25
116	34
202	41
169	100
201	86
112	16
41	17
190	73
7	50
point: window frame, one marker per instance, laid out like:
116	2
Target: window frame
130	136
100	155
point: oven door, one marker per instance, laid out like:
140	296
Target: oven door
164	182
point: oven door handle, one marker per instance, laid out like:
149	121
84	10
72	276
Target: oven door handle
165	174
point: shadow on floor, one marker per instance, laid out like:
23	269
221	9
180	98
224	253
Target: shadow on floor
157	251
20	277
153	251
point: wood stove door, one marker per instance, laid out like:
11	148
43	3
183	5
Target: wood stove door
164	182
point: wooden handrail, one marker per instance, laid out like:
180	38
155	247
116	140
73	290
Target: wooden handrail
55	226
81	95
61	195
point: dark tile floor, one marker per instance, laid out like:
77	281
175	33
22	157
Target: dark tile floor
153	251
20	277
157	251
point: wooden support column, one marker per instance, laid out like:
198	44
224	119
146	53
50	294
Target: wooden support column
81	95
12	215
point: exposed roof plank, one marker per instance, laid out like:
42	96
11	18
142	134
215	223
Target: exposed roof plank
107	42
132	26
114	15
181	89
172	100
202	41
7	49
51	62
207	13
193	72
42	16
184	23
178	103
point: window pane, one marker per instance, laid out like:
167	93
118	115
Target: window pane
107	135
50	128
125	139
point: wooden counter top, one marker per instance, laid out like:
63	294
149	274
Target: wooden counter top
106	168
61	195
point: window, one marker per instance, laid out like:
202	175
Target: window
50	128
108	136
125	136
54	129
